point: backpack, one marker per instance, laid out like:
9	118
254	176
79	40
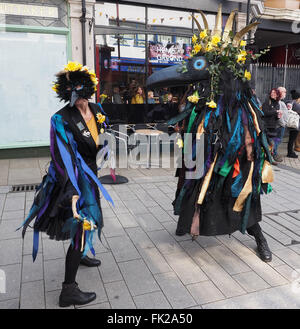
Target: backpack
293	120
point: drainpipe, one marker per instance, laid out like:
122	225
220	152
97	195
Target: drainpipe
83	21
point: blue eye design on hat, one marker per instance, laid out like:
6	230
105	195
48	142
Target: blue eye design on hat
199	64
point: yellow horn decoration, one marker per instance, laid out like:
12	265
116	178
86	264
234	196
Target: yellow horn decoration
228	26
238	37
197	23
204	20
218	23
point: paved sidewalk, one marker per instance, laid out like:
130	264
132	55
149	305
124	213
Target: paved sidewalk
144	265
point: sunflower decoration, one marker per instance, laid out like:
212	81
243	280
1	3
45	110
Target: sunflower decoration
101	121
223	51
74	81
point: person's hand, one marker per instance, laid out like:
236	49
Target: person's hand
74	209
279	113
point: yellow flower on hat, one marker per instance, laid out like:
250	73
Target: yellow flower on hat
73	66
100	117
215	40
211	104
194	38
197	48
243	43
203	34
247	75
55	87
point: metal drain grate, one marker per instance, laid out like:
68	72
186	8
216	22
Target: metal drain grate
23	188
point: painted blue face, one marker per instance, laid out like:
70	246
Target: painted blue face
199	64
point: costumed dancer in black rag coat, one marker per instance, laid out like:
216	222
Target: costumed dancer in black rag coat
223	110
67	203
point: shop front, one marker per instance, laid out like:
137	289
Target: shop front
34	43
132	42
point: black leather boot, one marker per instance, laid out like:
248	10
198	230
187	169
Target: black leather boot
262	245
72	295
90	262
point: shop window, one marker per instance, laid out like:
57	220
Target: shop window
132	16
28	64
169	18
105	13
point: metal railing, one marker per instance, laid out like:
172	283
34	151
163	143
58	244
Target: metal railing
267	77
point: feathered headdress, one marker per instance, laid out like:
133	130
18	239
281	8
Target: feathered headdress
75	81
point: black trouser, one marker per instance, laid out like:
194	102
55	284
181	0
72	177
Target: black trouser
72	263
254	229
292	137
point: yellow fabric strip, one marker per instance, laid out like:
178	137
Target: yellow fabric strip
255	122
247	189
93	129
206	181
200	129
267	173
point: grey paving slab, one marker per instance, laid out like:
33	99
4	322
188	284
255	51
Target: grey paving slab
154	300
109	269
88	279
123	248
136	207
12	304
53	249
10	251
160	214
112	227
228	260
276	234
185	268
107	213
164	242
250	281
13	215
54	274
281	297
289	256
264	270
224	282
288	272
127	219
282	221
207	241
139	238
155	261
8	229
176	293
119	296
138	278
12	281
32	295
148	222
32	271
14	204
205	292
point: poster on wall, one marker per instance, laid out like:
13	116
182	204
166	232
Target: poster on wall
170	53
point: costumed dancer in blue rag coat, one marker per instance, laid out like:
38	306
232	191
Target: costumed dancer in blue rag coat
223	112
67	202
